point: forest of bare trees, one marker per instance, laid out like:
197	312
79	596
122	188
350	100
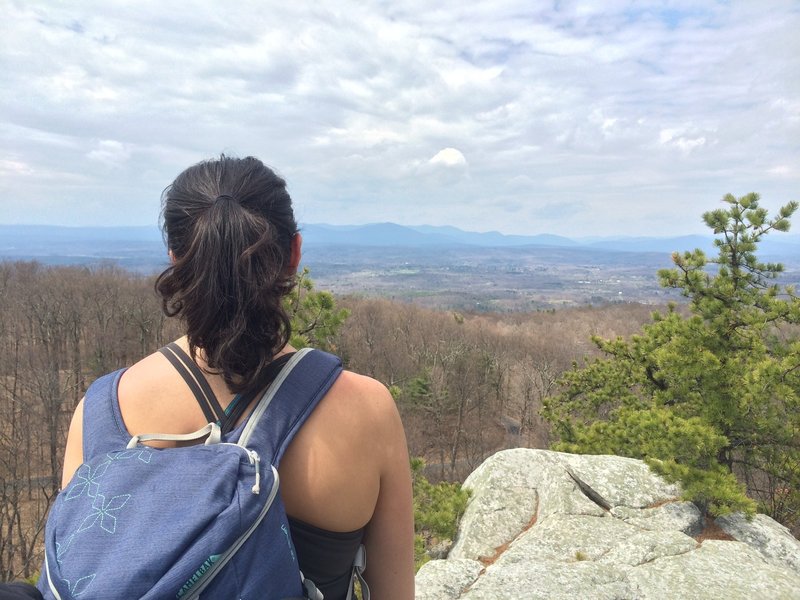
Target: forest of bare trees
60	328
466	385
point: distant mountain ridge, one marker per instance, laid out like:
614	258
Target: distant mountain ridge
17	241
391	234
36	233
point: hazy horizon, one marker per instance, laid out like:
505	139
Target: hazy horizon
154	233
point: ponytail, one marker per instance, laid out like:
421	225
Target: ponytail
229	226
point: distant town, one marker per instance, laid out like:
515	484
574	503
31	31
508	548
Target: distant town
435	267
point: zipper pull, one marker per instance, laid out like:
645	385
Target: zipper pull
256	460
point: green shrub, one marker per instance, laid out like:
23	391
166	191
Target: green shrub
437	511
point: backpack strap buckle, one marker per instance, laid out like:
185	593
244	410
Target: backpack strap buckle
310	591
211	430
359	565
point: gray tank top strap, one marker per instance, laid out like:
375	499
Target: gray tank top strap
103	427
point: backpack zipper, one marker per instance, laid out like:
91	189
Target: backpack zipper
50	579
255	460
214	570
244	438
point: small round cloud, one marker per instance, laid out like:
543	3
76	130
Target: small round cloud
449	157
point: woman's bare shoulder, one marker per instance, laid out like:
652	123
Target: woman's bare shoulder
147	374
363	407
361	387
144	384
154	397
364	398
345	440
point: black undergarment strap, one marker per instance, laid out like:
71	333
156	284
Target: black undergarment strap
326	557
196	381
270	373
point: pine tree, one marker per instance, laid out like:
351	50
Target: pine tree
314	316
711	398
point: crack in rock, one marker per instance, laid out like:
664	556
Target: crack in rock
587	490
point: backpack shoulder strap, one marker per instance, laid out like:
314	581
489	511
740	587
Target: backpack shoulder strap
289	401
103	427
241	402
196	381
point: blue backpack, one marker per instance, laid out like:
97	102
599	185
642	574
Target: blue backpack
204	520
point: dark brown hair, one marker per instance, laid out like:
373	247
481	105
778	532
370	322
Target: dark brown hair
229	225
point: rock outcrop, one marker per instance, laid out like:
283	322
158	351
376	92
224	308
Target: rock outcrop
549	525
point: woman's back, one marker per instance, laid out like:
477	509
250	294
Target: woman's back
342	474
330	475
234	250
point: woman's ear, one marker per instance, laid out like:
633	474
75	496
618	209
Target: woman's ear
297	254
171	255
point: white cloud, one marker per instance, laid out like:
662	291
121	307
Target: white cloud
618	107
782	171
448	157
675	138
14	168
459	75
110	152
687	145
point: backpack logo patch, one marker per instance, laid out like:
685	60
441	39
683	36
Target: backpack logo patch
197	575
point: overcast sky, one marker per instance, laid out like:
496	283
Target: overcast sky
575	118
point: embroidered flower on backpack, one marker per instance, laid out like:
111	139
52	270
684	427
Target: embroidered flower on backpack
86	480
103	512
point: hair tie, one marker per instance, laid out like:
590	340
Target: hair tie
223	197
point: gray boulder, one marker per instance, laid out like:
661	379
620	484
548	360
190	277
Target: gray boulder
772	540
446	578
543	524
673	516
716	569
